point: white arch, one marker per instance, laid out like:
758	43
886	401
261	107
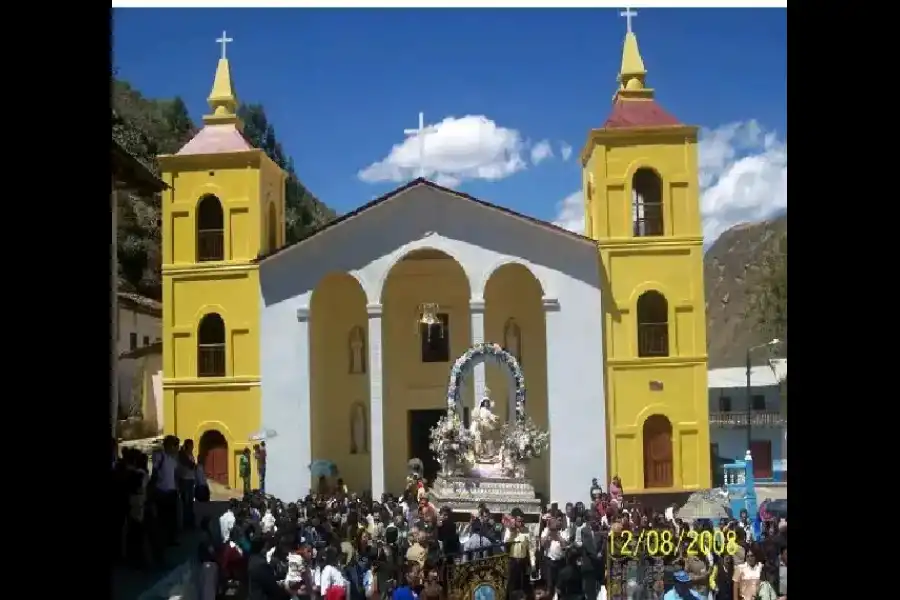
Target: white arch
431	242
510	260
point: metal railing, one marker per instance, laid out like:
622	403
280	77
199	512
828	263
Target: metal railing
211	360
760	418
653	339
210	245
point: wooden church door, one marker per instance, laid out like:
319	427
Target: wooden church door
658	471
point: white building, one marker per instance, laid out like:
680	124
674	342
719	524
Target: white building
139	325
360	282
728	412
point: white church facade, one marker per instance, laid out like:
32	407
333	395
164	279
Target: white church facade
349	374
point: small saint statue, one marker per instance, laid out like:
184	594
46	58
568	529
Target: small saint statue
358	443
484	421
512	335
357	356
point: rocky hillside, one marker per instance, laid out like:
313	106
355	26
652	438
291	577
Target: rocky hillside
746	291
147	127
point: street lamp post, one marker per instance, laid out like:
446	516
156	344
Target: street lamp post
769	344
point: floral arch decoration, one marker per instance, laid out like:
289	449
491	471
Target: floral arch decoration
476	354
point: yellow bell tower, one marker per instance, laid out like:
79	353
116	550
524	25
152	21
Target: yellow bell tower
224	206
642	206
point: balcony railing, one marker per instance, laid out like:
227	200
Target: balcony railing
759	418
211	360
653	339
210	245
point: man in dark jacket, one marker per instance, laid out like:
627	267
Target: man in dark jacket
260	576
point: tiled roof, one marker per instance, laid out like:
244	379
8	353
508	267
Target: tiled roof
638	113
140	303
216	139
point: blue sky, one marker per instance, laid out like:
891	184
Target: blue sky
341	85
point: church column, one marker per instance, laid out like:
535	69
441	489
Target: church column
476	315
376	404
297	416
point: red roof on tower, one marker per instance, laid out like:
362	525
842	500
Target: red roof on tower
638	113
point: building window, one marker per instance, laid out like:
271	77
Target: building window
435	340
211	346
210	229
146	340
132	341
653	324
724	404
758	402
647	206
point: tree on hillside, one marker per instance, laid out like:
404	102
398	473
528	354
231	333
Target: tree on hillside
303	211
769	298
179	122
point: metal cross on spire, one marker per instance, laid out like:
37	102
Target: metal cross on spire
421	132
224	40
628	14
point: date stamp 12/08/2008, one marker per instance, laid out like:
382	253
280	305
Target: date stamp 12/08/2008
664	543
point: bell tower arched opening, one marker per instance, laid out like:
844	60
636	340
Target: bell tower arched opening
646	203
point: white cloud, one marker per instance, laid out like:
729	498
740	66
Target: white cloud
541	152
571	212
565	150
471	147
743	178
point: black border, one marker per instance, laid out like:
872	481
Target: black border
58	252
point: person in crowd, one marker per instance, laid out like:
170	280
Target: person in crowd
259	455
261	580
165	489
187	478
568	580
138	480
228	519
477	540
682	589
521	554
417	552
747	577
332	585
201	491
432	590
615	491
593	558
411	580
244	470
746	525
554	545
446	532
208	577
721	577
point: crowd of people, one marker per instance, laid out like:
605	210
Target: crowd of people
154	497
337	545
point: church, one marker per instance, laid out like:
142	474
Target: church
339	347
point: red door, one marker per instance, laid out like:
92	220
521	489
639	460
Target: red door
761	451
658	452
214	456
216	465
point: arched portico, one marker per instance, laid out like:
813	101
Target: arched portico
514	317
416	357
338	377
